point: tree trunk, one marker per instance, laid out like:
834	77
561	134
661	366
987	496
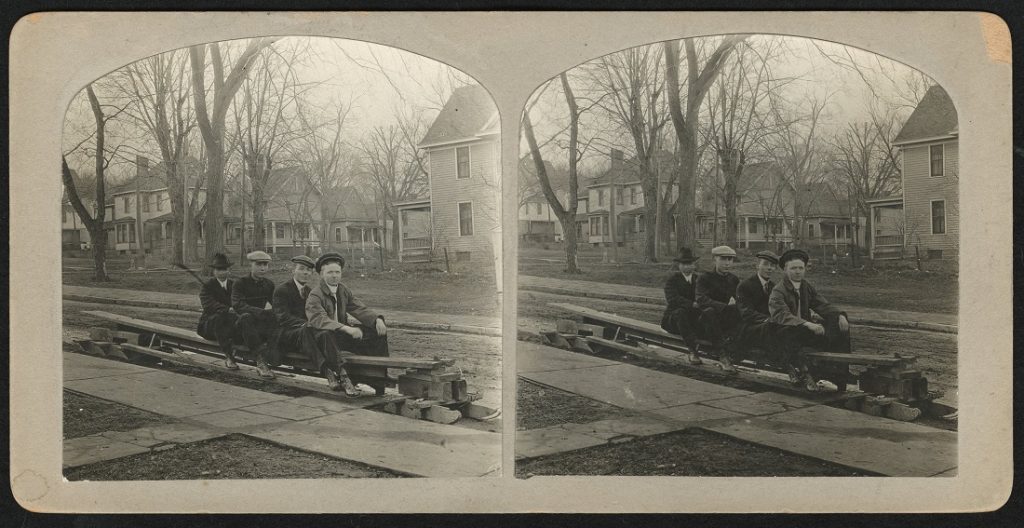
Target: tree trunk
568	222
651	221
394	216
99	252
686	202
177	229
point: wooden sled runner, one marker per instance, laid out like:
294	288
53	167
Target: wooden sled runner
890	384
430	389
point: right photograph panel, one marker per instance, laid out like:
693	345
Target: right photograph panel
738	257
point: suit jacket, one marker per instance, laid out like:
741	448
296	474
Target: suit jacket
251	295
321	308
782	304
678	294
215	300
753	299
714	290
290	305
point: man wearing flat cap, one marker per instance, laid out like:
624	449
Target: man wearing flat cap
682	314
289	306
351	327
217	323
256	323
716	296
752	299
806	317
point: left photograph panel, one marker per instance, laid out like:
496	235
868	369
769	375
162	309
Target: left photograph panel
281	259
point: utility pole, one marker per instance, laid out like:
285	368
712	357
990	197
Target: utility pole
141	168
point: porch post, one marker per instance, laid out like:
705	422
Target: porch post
746	232
273	236
399	228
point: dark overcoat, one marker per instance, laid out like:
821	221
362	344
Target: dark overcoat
679	294
715	289
251	295
290	305
215	300
752	299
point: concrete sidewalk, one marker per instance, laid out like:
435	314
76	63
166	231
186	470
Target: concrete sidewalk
468	324
666	402
622	292
203	409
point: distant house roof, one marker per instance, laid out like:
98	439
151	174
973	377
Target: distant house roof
623	171
468	114
934	117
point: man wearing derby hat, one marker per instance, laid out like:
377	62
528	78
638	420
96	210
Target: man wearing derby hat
716	296
790	305
682	315
217	323
752	299
256	323
350	328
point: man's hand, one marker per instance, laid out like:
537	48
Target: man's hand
352	321
844	325
354	331
382	329
695	305
816	328
732	301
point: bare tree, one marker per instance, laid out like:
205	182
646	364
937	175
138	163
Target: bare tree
574	152
632	80
700	75
211	113
101	156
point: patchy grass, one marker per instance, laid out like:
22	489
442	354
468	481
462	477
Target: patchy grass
85	415
229	457
691	452
539	406
894	286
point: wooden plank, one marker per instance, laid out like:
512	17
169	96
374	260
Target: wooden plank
860	359
194	338
626	322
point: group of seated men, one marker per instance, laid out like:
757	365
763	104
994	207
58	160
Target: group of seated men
779	317
323	321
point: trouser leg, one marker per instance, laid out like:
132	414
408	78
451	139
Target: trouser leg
260	334
223	325
835	339
685	322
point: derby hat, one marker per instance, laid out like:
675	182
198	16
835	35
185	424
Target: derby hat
686	256
768	255
793	254
723	251
258	256
329	257
220	261
304	260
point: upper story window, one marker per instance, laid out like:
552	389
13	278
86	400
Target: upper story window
632	195
620	196
462	162
124	204
936	153
160	202
145	204
600	197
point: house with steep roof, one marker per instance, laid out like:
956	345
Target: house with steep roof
615	197
463	154
929	150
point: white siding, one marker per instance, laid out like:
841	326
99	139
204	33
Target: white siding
446	191
921	189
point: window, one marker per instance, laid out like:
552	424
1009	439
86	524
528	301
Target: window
279	230
337	230
593	228
159	202
810	230
753	226
124	204
462	162
462	256
620	196
466	219
938	217
632	195
145	204
604	225
878	216
936	154
934	254
600	197
641	224
538	208
405	218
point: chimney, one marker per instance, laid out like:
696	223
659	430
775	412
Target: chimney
617	161
141	166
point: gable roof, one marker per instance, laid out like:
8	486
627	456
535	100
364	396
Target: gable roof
934	117
627	171
468	114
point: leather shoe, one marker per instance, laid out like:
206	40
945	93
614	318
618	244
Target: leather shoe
694	359
264	370
350	389
332	380
727	365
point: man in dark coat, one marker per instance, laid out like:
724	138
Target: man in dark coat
752	299
256	323
716	296
290	308
217	323
348	327
682	315
791	304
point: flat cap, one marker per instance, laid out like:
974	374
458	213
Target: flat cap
304	260
793	254
723	251
768	255
258	256
329	257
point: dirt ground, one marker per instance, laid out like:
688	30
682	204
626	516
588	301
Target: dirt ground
230	457
539	406
691	452
85	415
468	292
893	287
